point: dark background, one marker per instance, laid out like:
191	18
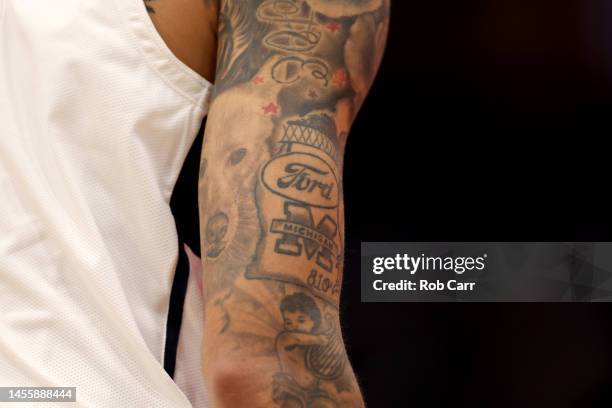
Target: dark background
489	121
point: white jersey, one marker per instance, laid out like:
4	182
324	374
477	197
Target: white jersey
96	118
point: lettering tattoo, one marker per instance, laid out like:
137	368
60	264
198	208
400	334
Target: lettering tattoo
291	77
302	177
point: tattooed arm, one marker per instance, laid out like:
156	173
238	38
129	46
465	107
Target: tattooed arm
291	76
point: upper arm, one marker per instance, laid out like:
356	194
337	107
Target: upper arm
330	47
291	76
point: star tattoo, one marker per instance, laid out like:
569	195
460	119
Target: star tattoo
332	26
270	108
340	78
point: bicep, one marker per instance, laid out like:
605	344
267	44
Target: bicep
291	77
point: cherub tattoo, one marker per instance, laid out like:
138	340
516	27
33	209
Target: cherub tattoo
307	355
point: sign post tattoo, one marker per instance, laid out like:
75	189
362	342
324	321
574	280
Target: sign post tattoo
301	185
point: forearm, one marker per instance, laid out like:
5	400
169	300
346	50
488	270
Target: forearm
268	256
291	77
247	362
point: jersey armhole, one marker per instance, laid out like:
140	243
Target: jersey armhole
160	57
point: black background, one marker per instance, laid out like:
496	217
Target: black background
488	122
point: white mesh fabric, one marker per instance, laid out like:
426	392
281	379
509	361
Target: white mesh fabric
188	372
96	118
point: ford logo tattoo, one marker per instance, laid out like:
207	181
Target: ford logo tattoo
302	177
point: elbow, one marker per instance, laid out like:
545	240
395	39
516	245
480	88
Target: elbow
238	385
